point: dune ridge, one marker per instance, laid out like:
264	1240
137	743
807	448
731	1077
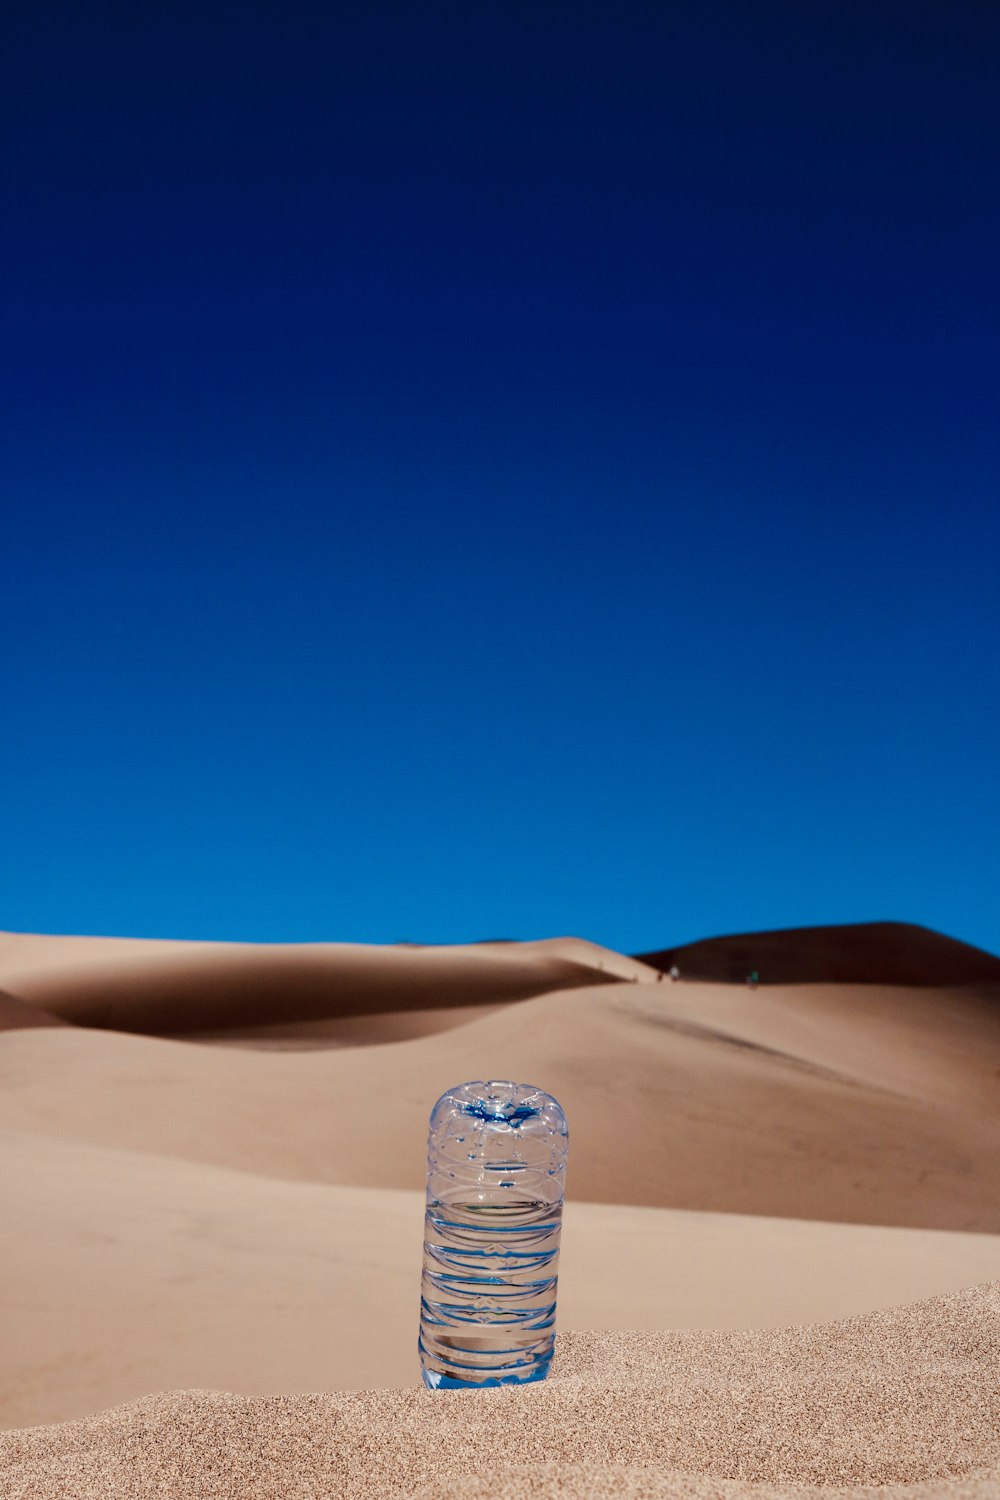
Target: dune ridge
853	953
151	987
903	1398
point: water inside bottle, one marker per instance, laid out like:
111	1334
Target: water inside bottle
487	1313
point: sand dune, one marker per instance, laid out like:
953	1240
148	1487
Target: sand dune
213	1161
858	953
905	1400
152	987
125	1272
859	1104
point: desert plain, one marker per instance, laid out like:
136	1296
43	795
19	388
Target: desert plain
780	1270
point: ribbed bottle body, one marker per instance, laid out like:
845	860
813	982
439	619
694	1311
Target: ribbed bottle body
496	1168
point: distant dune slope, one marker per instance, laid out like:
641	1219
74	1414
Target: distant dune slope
863	953
862	1104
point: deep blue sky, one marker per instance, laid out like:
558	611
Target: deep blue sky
507	469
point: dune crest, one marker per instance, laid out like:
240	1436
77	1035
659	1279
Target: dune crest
854	953
151	987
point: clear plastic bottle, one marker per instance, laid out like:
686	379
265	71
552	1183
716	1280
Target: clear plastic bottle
496	1166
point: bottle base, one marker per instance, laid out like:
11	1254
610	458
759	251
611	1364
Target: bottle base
436	1380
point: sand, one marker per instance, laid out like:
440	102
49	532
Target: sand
896	953
856	1104
211	1162
159	987
906	1400
125	1272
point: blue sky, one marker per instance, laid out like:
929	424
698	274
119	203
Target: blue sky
500	470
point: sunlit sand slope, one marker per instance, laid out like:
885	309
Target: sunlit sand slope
125	1273
863	1104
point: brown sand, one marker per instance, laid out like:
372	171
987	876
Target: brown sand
18	1015
861	953
907	1400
